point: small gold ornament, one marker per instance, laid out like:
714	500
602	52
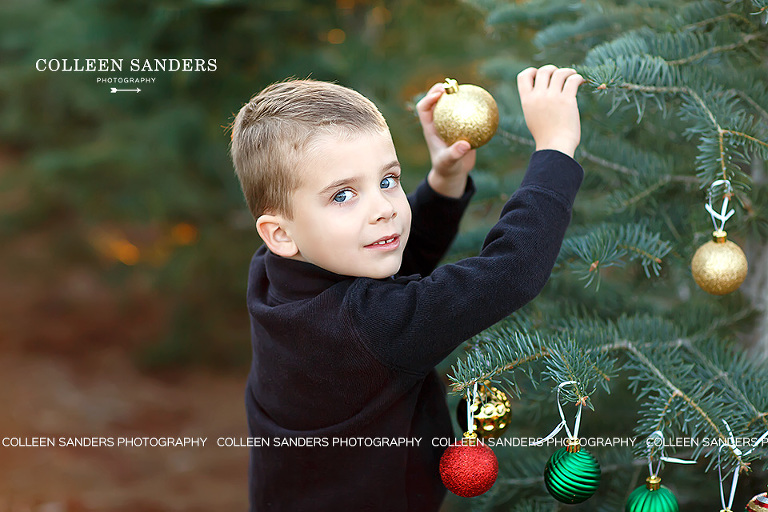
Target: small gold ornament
491	410
466	112
719	267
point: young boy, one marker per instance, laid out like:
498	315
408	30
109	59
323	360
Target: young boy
349	315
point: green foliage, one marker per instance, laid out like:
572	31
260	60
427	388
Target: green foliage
609	245
137	165
678	101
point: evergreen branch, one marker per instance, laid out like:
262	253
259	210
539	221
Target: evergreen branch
672	90
496	350
582	153
708	21
511	13
702	104
674	390
459	387
760	4
592	24
760	417
562	369
716	323
671	226
636	198
748	137
722	376
750	101
608	245
675	393
607	164
715	49
663	413
641	252
509	136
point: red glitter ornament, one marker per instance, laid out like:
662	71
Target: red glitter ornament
469	468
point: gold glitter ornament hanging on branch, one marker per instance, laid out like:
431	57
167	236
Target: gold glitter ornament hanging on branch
466	112
719	266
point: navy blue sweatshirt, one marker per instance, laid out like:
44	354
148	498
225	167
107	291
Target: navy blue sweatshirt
338	357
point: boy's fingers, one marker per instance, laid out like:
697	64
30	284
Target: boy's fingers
572	84
428	101
525	80
558	78
543	76
459	149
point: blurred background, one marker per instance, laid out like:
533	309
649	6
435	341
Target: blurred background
124	239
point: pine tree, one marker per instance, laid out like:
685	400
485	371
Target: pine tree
109	177
675	99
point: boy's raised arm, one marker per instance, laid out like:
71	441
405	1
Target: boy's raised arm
437	208
450	164
423	320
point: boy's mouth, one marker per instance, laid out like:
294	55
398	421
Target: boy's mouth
387	242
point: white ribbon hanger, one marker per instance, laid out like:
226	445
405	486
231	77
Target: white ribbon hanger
732	445
724	214
563	423
659	434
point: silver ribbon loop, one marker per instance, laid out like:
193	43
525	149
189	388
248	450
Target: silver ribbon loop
724	214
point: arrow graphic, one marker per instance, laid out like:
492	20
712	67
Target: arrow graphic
114	90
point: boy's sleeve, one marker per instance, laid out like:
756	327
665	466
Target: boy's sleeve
434	223
411	324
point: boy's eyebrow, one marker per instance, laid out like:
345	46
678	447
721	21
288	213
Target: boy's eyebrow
346	181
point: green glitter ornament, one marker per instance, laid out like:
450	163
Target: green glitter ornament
652	497
572	475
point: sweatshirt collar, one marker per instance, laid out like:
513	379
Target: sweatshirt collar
291	280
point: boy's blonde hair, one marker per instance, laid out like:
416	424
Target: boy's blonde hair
271	135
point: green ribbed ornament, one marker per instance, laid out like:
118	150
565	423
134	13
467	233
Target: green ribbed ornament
572	475
652	497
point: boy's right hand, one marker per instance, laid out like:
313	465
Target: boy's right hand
450	164
548	97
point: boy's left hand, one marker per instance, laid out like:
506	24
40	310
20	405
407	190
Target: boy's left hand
450	164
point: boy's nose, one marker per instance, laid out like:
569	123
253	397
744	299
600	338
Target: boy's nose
383	210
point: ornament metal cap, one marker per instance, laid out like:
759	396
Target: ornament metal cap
469	439
451	86
653	483
573	445
719	236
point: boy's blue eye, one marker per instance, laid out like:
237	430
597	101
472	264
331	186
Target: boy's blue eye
343	196
389	182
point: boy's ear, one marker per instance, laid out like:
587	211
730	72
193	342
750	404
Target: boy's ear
270	229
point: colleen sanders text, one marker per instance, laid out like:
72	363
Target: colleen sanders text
116	65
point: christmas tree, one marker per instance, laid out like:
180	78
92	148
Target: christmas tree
674	117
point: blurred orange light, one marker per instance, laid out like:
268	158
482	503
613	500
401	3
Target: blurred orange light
336	36
345	4
380	15
184	233
124	251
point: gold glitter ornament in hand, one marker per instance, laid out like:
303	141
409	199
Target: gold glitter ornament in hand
466	112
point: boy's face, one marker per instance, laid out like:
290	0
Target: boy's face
350	214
